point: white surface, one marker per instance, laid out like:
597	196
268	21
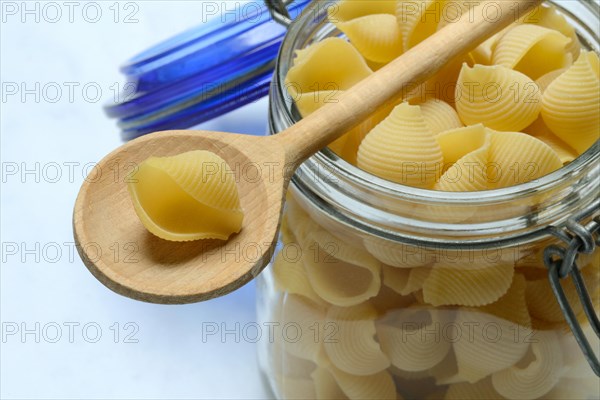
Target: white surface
170	359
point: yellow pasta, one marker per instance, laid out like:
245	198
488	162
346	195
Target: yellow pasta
482	390
402	149
418	20
468	174
519	158
388	300
377	37
487	344
399	255
347	145
187	197
569	388
532	50
548	16
543	304
332	383
332	64
498	97
469	287
512	306
341	274
439	115
326	386
570	103
413	339
353	348
304	327
291	277
545	80
457	143
405	281
536	374
347	10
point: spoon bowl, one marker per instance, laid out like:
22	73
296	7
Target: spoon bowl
124	256
118	250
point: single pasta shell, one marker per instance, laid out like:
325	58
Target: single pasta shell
353	348
417	20
468	287
340	274
457	143
347	10
486	344
532	50
439	115
291	277
536	374
548	16
468	174
412	339
332	64
570	103
512	306
518	158
197	197
377	37
306	322
498	97
402	149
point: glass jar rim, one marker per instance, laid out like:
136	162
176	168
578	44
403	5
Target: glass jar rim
586	162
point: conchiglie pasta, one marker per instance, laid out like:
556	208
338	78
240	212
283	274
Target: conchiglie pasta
347	10
467	287
570	103
332	64
418	20
405	281
353	348
498	97
306	340
482	390
487	344
291	277
468	174
377	37
565	153
457	143
547	15
512	306
186	197
520	158
439	115
402	149
332	383
412	339
339	273
545	80
399	255
536	374
532	50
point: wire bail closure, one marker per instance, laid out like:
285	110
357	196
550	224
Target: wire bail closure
562	262
279	12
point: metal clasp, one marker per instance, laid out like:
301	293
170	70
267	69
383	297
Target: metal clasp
562	262
279	12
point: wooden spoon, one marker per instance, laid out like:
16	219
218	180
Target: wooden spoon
119	251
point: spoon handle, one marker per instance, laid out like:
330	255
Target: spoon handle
410	69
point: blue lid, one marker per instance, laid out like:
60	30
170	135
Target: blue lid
201	73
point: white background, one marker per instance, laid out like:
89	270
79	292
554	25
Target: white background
170	359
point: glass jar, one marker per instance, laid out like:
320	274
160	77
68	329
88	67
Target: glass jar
380	290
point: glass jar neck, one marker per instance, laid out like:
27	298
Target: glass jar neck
379	207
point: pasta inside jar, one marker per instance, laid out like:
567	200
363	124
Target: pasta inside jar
411	256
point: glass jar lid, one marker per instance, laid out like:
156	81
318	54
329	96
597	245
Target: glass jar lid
201	73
